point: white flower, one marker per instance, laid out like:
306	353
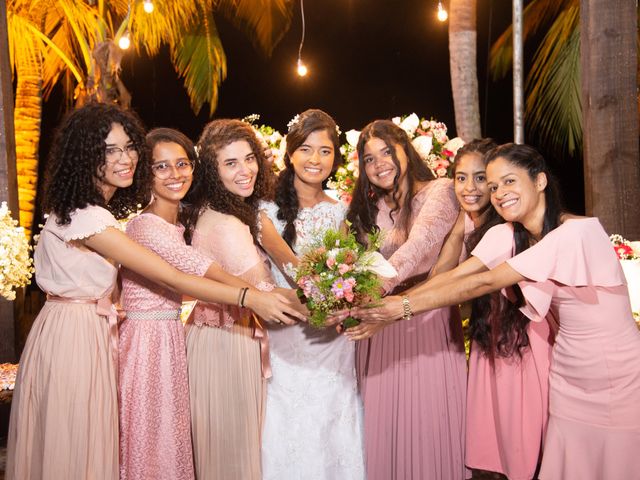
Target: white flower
352	137
454	145
375	262
410	124
293	121
423	145
396	120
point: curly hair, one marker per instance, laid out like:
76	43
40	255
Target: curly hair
497	325
208	190
77	157
363	210
286	197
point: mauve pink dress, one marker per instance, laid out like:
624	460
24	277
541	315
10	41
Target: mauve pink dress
507	401
155	423
573	276
412	373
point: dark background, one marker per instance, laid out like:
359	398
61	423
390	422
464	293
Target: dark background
368	59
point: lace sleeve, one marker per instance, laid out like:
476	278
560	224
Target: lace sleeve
433	222
88	221
166	240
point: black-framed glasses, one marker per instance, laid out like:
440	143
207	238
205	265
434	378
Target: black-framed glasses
164	170
114	154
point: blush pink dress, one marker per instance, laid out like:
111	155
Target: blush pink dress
155	423
413	373
226	384
64	416
573	276
507	400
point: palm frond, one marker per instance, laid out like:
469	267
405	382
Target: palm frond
264	21
553	106
536	14
199	58
22	44
166	24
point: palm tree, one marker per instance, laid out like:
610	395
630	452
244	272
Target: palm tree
462	59
75	42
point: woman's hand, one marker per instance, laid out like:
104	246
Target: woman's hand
295	301
273	307
383	311
365	330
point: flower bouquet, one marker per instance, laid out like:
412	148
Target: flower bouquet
338	273
16	266
344	180
629	255
271	139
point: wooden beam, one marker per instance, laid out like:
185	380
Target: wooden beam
610	114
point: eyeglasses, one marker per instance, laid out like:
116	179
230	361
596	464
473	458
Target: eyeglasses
114	154
164	170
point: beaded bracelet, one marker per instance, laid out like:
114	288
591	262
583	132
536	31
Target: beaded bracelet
406	308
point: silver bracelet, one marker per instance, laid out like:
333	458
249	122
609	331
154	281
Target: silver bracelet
406	308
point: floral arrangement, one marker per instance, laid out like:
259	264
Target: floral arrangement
271	139
625	249
8	372
429	137
338	273
16	266
344	180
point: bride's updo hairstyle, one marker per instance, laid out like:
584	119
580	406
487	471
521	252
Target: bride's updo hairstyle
300	128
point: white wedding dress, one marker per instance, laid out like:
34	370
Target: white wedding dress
313	422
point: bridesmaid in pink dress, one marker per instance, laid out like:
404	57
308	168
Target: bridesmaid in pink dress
64	417
569	275
226	349
412	374
507	387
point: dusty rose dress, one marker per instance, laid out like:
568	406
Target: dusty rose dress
573	276
226	385
64	417
413	373
155	428
507	402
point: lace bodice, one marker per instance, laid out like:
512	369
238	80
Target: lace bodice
434	211
166	240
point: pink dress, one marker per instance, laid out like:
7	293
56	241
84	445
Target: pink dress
155	430
573	276
507	402
226	385
64	416
413	373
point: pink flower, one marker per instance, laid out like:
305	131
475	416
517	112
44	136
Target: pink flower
331	262
343	268
623	251
343	288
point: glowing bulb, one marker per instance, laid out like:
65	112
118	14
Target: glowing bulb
125	41
302	68
442	13
148	6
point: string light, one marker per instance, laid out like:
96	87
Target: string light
148	6
442	13
125	41
301	68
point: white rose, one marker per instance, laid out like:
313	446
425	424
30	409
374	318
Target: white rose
423	145
352	137
454	145
410	124
375	262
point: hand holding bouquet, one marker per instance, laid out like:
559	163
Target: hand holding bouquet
338	273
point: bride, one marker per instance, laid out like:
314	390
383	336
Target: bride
313	422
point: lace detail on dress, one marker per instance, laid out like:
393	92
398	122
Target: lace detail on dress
86	222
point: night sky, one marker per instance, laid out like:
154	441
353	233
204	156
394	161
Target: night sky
368	59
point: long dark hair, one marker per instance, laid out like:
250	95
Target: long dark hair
363	210
286	196
169	135
498	327
208	190
77	157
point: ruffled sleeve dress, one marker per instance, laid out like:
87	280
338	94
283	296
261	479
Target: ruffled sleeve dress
64	417
573	276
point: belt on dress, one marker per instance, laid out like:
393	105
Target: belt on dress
153	315
105	308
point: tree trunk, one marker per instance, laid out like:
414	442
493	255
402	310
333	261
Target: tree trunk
462	61
610	114
27	120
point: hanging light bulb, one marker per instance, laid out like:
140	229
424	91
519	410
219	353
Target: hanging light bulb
125	41
442	13
302	68
148	6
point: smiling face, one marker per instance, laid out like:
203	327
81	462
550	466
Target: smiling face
172	171
313	160
238	168
515	195
121	158
379	165
470	183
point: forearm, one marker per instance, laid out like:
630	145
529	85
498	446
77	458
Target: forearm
216	273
